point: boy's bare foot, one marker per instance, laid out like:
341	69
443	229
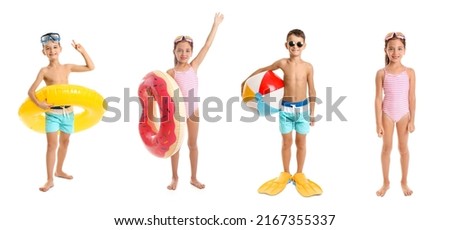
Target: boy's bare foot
63	175
197	184
46	186
382	190
406	190
173	184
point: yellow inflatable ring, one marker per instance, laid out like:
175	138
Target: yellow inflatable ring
58	95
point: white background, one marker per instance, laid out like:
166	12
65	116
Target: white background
115	176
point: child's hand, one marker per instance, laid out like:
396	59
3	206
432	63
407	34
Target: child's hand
218	18
43	105
380	131
77	46
411	127
312	120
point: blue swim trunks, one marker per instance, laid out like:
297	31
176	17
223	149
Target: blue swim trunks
59	122
294	115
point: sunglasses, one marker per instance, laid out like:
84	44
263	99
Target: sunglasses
396	34
50	36
183	38
292	44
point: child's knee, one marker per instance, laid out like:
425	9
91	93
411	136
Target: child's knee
64	142
300	146
403	149
387	148
192	145
51	146
287	143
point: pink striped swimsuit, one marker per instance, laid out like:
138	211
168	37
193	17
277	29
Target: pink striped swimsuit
396	95
188	83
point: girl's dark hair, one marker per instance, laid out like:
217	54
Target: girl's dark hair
386	58
175	46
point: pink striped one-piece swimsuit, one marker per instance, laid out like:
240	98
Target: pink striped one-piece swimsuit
396	95
188	83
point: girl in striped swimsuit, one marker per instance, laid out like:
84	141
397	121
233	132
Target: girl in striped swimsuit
396	109
185	74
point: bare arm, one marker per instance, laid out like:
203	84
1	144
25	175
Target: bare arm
204	50
412	99
171	72
378	102
82	68
276	65
32	91
311	94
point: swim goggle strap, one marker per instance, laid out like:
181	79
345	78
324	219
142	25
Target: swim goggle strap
50	37
394	34
183	38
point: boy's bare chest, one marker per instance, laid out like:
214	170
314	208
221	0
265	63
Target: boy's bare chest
295	71
57	76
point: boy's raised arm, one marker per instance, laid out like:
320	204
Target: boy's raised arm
89	64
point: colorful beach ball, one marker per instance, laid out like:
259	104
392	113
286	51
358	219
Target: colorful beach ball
263	93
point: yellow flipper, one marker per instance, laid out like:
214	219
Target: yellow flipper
305	186
276	185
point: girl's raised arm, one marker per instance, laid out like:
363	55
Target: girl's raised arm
201	55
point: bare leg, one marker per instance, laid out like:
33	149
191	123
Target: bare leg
388	126
62	152
286	151
52	141
174	161
300	142
193	126
154	116
402	132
